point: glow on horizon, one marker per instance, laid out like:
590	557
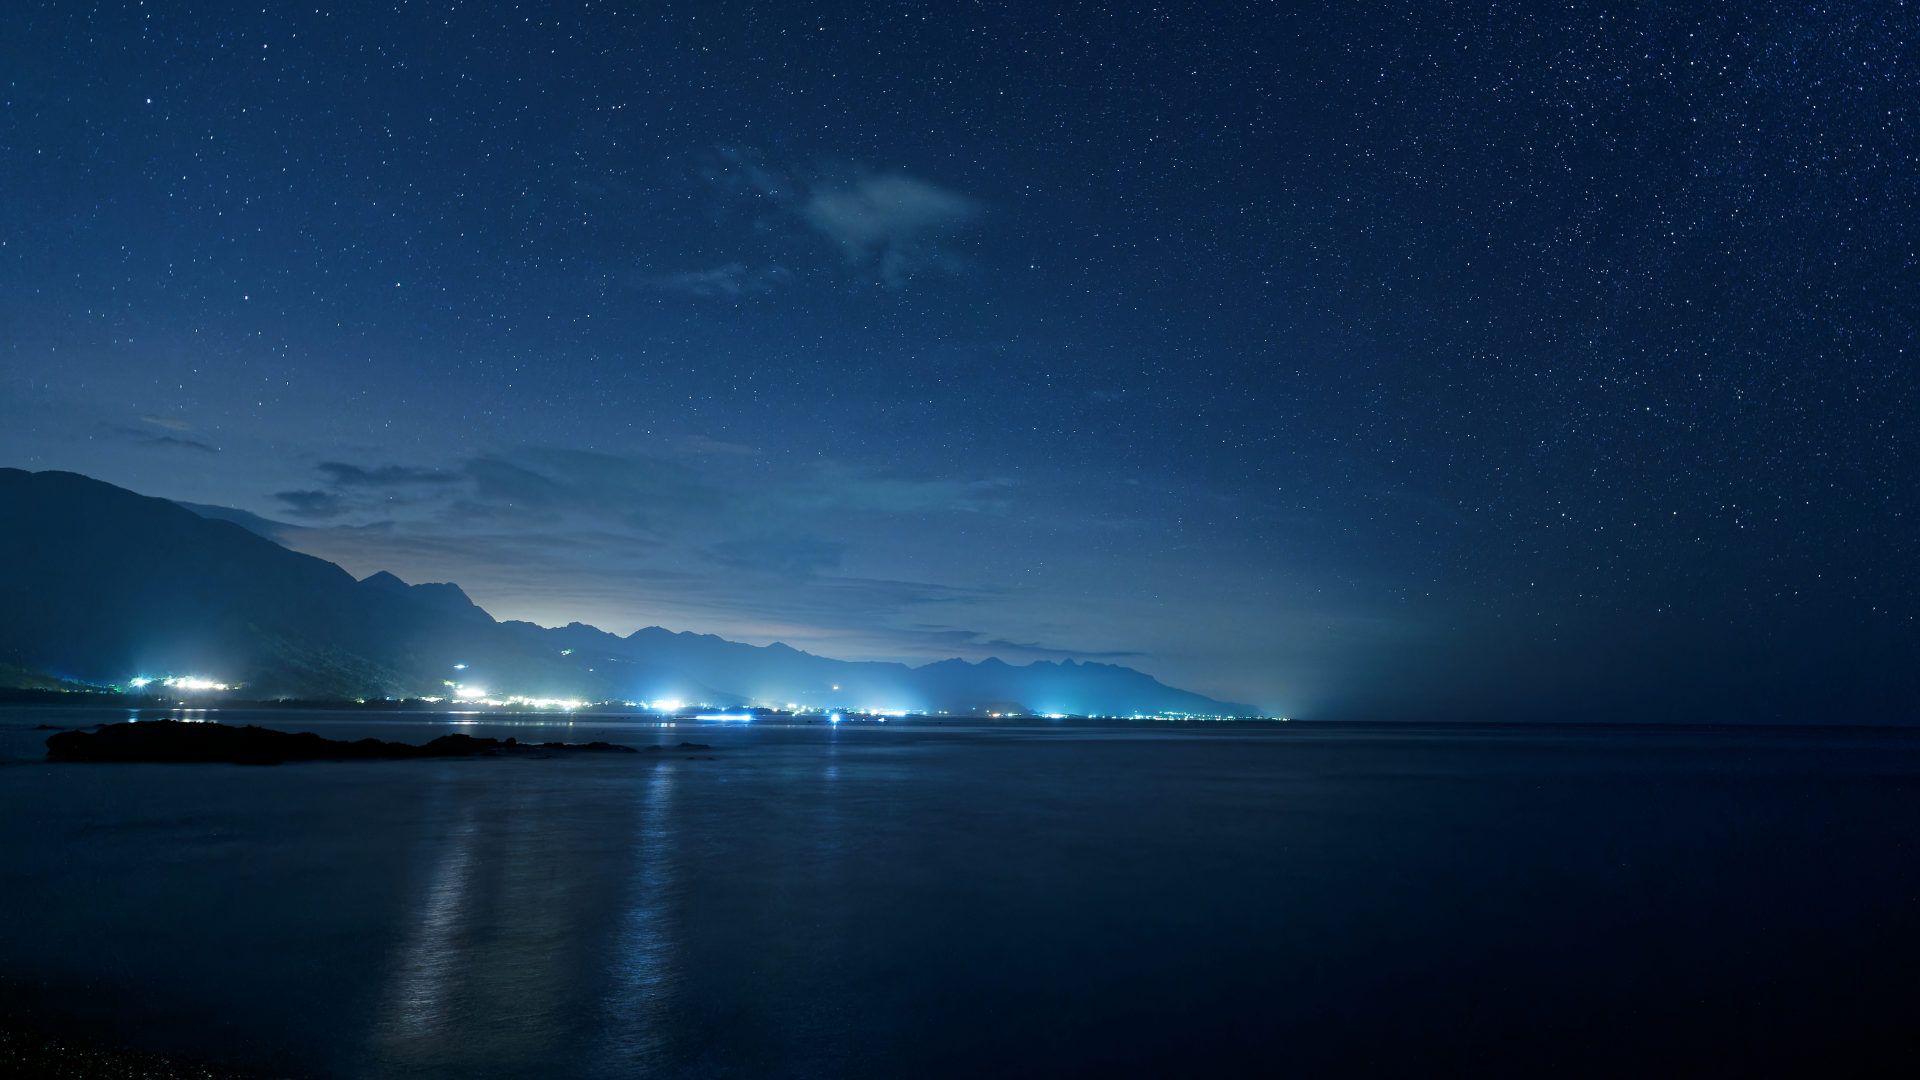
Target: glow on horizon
179	682
474	695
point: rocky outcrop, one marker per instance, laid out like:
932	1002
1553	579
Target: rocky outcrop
190	741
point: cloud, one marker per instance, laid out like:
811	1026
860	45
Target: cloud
826	603
342	475
732	279
503	482
311	504
892	223
430	549
978	641
792	556
718	538
360	489
741	171
694	481
838	488
637	491
181	444
171	423
173	442
699	444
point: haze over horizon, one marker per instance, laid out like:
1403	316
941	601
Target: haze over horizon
1421	364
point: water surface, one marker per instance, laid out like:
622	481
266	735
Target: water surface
959	898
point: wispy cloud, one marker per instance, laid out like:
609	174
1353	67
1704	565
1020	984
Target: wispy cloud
893	223
978	642
162	439
734	279
832	487
313	505
699	444
731	506
782	554
342	475
713	536
714	482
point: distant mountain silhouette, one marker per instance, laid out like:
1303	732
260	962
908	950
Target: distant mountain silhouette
98	584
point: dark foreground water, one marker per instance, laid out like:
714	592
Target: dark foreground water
965	899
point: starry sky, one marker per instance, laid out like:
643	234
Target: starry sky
1355	361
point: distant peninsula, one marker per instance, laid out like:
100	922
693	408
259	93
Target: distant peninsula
183	741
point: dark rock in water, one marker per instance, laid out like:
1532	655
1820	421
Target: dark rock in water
182	741
46	727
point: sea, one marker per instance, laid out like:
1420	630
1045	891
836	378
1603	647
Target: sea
953	897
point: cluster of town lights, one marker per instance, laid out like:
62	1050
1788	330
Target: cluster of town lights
178	682
477	695
467	694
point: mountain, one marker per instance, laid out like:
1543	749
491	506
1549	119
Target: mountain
99	584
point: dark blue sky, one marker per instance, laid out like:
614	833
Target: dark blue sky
1540	360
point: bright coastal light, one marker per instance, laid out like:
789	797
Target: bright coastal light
476	695
667	705
724	716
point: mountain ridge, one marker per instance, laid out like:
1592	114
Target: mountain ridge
105	583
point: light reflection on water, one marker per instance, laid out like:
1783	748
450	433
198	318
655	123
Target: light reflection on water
534	888
416	1009
823	900
642	962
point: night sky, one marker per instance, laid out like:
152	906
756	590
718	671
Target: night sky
1446	361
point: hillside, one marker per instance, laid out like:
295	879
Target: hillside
100	584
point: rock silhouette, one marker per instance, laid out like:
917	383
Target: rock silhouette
191	741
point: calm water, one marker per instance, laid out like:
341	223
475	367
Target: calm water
962	899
